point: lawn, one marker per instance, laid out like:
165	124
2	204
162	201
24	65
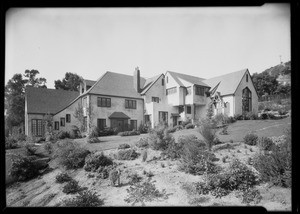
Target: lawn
44	191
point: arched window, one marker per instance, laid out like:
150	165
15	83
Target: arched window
246	100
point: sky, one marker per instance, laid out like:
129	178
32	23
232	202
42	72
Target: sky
199	41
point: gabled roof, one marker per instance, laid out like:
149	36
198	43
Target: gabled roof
90	82
118	115
188	78
228	82
44	100
115	84
149	82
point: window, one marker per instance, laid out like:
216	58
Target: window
37	127
85	123
188	90
130	104
246	77
180	109
246	100
200	90
163	116
62	121
133	124
162	81
155	99
171	90
103	102
188	109
68	118
147	119
56	125
101	123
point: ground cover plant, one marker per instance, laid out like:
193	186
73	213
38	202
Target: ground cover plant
124	146
62	178
85	198
159	138
126	154
94	161
129	133
71	187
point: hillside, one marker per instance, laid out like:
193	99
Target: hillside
280	69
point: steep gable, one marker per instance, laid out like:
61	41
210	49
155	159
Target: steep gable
44	100
188	78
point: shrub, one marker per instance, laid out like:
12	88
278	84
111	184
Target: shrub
107	131
172	129
124	146
134	178
208	132
93	140
238	117
159	138
264	116
250	139
62	135
23	168
251	115
11	143
230	119
71	187
93	133
30	148
265	143
189	126
251	195
184	123
224	130
126	154
142	143
48	147
95	160
143	128
70	154
129	133
84	199
62	177
144	192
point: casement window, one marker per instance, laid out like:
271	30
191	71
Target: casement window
101	123
62	121
162	81
246	77
68	118
200	90
37	127
130	104
188	109
188	90
103	102
85	123
171	90
56	125
163	116
155	99
133	124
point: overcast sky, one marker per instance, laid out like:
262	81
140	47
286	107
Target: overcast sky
199	41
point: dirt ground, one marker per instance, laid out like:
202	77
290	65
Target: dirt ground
44	191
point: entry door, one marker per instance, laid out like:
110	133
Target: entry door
174	121
120	124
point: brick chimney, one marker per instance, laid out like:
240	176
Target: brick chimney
136	80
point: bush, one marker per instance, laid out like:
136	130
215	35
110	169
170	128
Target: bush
126	154
238	117
124	146
62	135
159	138
11	143
172	129
184	123
23	168
71	187
265	143
251	195
230	119
144	192
129	133
84	199
48	147
251	116
143	128
208	132
30	148
93	133
62	178
93	140
95	160
134	178
264	116
251	139
275	167
70	154
107	131
189	126
142	143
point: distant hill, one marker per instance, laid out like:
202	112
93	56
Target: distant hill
282	72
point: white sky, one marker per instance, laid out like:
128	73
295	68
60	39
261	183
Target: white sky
199	41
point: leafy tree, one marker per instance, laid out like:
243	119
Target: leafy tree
70	82
264	83
15	96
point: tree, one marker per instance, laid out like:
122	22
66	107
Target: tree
15	96
70	82
264	83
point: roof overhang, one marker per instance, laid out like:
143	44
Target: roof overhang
118	115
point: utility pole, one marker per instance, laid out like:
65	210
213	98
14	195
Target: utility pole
280	59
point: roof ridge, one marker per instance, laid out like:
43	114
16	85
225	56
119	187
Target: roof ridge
245	69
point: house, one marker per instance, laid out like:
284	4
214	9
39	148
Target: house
125	102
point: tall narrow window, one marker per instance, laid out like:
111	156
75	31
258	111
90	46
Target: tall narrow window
37	127
246	77
56	125
163	116
246	100
162	81
188	109
101	123
133	124
62	121
68	118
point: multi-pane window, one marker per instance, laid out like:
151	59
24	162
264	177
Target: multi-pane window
155	99
103	102
101	123
171	90
133	124
188	109
246	100
62	121
130	104
188	90
200	90
56	125
37	127
163	116
68	118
